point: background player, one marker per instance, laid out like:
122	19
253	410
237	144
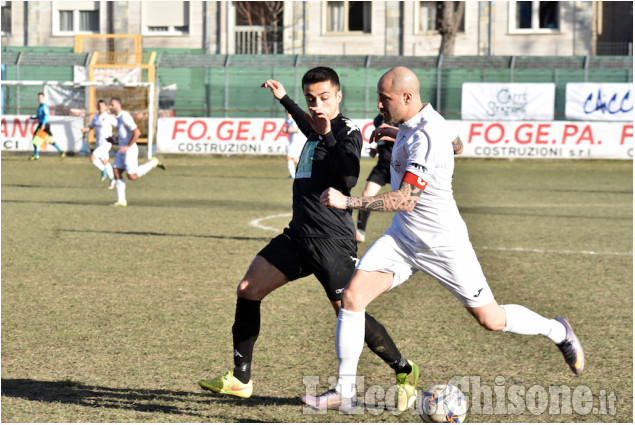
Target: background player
102	123
379	176
43	117
127	157
427	234
318	241
295	145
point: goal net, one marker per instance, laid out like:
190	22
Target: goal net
72	106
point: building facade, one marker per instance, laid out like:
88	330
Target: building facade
408	28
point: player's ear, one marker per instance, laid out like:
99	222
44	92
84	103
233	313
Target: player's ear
407	98
339	96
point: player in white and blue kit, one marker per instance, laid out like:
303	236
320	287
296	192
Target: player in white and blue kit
127	157
102	123
427	234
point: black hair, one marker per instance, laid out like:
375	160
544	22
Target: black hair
101	101
117	100
40	93
320	74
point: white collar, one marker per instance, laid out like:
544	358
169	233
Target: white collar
417	119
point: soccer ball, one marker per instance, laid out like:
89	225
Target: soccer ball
443	402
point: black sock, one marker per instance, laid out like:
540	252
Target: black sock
381	343
362	219
245	332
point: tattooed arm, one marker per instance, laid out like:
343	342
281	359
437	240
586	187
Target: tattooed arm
403	199
457	145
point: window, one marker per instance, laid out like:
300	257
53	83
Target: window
88	20
72	17
348	16
427	16
166	17
430	16
6	17
534	16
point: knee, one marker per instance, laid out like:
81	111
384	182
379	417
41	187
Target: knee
491	322
248	290
133	176
351	301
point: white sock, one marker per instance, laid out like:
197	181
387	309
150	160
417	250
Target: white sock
522	321
97	163
120	187
111	174
145	168
291	167
349	343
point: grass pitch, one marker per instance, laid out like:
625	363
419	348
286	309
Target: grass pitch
112	315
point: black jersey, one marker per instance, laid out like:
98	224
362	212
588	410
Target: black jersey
331	160
384	147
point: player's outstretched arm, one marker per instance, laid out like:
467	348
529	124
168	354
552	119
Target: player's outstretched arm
276	87
402	199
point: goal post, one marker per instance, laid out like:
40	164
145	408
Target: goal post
73	102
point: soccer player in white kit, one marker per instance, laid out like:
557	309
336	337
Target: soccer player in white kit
102	123
427	234
127	157
294	150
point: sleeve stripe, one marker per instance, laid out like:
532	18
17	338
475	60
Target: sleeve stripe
415	180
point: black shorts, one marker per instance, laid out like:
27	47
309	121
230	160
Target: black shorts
332	261
380	173
46	127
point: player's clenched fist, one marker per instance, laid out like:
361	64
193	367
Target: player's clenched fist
333	198
276	88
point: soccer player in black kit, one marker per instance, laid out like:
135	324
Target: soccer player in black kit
318	241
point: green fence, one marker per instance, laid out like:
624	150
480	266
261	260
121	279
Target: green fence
229	85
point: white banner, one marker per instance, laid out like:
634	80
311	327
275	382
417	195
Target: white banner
599	101
16	133
508	101
484	139
555	139
259	136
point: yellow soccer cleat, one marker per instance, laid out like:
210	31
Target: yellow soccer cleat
228	384
407	388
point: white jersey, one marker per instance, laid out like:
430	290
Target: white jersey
125	127
291	125
102	124
423	147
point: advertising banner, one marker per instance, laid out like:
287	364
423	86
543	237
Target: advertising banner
555	139
508	101
482	139
16	133
259	136
599	101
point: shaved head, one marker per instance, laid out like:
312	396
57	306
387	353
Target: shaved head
398	95
401	80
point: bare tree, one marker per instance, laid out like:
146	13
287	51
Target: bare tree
267	14
449	18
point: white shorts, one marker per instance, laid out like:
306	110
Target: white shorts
128	161
294	150
102	151
457	269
